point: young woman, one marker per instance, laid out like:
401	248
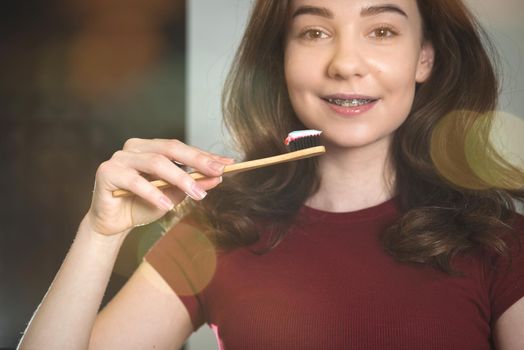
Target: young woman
395	238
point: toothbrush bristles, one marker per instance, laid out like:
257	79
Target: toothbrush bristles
299	140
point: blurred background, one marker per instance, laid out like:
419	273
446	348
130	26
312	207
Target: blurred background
79	77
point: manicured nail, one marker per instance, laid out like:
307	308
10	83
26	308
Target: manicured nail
197	192
216	166
166	203
228	160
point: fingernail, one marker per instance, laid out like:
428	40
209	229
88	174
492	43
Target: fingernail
197	192
166	203
228	159
216	166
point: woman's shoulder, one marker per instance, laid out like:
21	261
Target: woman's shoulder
504	271
514	235
184	256
517	220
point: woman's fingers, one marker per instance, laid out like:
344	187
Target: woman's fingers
174	150
222	159
116	176
207	183
161	167
130	170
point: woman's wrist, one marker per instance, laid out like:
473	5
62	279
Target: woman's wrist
89	230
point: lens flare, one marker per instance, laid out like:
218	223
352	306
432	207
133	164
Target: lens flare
508	137
192	257
479	151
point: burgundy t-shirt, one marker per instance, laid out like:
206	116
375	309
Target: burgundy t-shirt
330	285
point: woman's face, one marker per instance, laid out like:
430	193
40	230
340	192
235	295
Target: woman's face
351	66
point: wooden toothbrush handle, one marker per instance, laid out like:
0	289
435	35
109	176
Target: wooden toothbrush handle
244	166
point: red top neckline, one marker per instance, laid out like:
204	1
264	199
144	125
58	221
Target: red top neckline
389	207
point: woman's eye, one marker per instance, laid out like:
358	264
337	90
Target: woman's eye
314	34
383	33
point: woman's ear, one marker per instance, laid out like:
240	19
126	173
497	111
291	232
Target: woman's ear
425	62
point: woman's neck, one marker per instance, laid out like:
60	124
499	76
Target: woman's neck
354	179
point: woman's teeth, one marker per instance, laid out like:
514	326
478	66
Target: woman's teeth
354	102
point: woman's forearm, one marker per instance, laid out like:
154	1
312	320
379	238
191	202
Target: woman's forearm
67	313
65	318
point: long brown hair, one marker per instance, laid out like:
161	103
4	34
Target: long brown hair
440	218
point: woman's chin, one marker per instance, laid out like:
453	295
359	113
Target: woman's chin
355	141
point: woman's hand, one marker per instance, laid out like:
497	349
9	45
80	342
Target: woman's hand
131	169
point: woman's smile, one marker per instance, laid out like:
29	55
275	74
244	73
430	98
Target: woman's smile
349	105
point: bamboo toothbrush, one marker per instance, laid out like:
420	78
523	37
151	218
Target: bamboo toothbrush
301	144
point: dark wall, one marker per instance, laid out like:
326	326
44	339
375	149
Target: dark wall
77	78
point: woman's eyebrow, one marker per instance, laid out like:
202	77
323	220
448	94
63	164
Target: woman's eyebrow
312	10
375	10
365	12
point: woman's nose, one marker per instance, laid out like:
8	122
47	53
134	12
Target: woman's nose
346	60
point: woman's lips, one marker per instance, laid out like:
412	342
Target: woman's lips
350	105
